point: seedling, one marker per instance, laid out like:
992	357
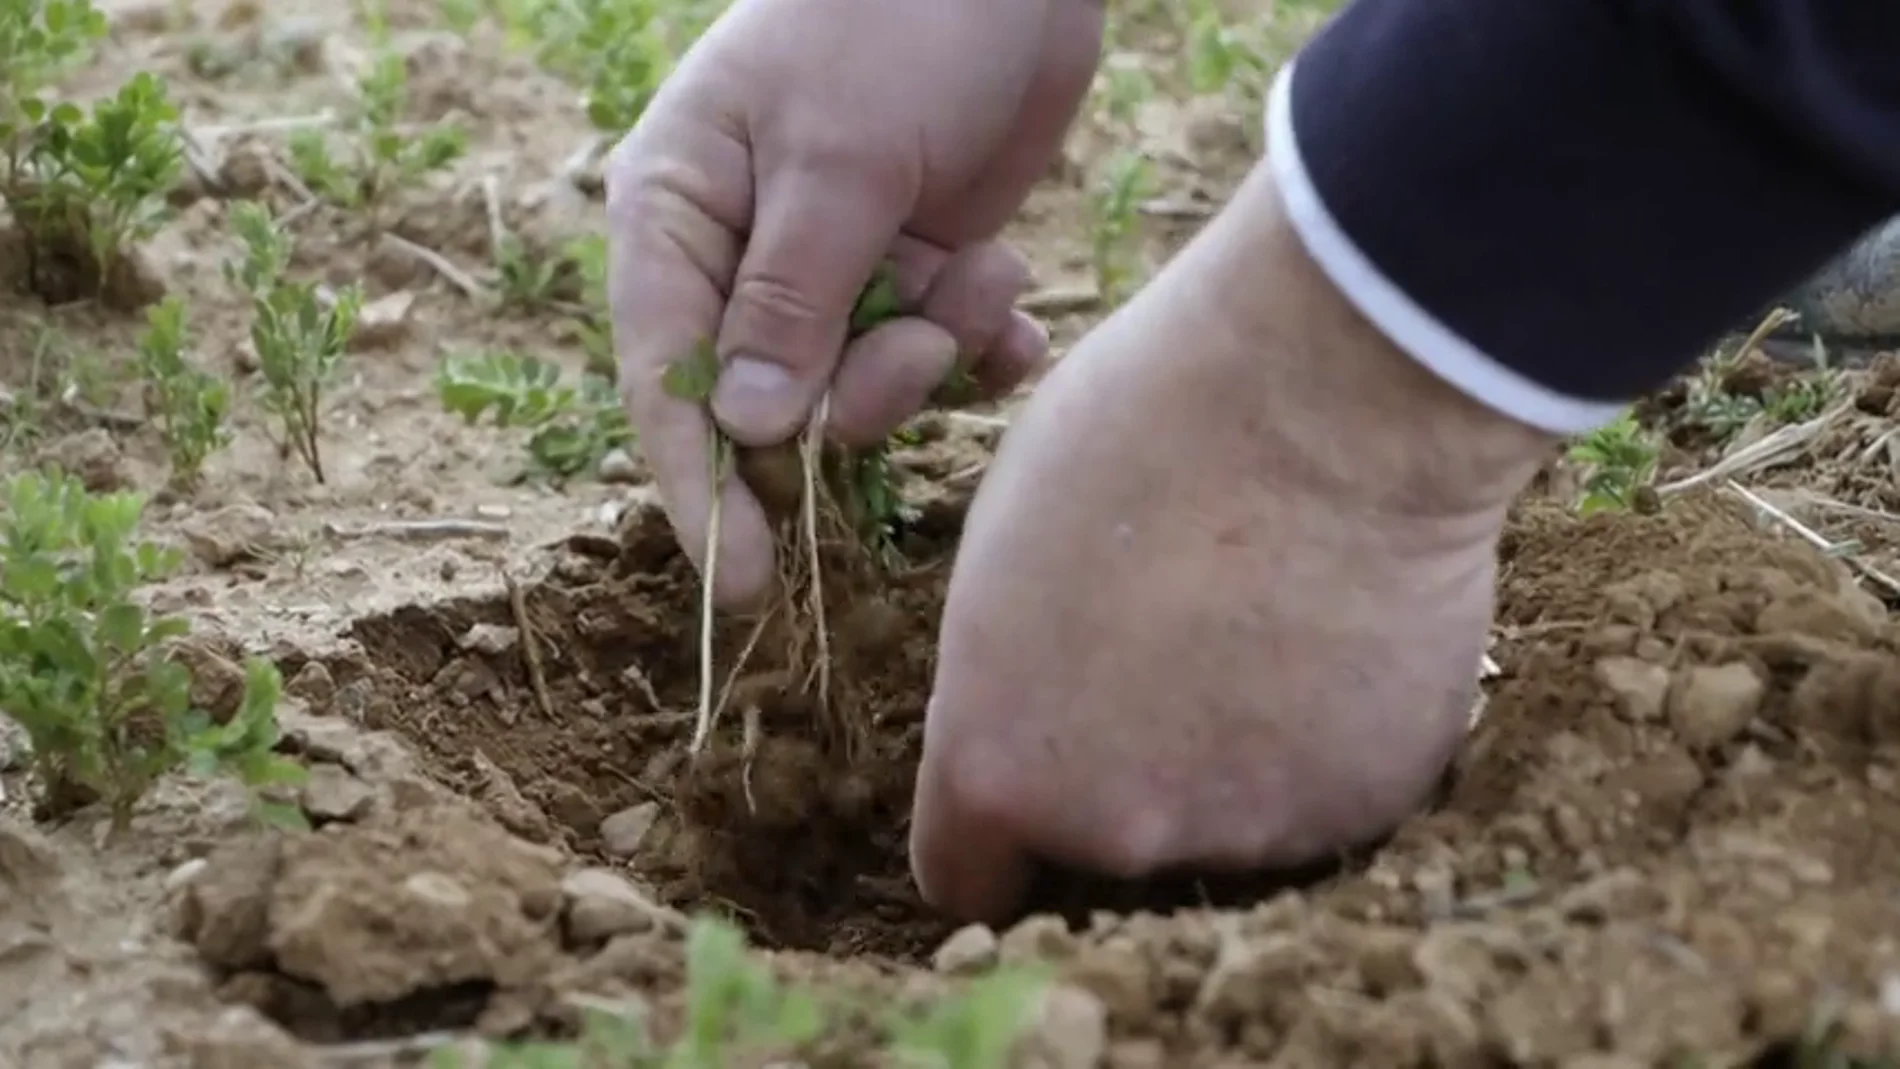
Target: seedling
588	258
526	280
617	51
572	427
1114	249
737	1012
187	404
83	185
1219	51
822	497
300	337
1621	459
572	281
39	40
734	1007
380	155
82	665
1124	90
975	1029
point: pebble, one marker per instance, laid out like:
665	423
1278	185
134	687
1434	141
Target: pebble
622	834
602	904
313	685
619	467
971	949
1070	1031
491	639
182	876
232	534
332	793
384	322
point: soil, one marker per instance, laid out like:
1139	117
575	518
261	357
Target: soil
1671	840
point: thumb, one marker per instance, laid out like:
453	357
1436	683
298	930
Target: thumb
818	235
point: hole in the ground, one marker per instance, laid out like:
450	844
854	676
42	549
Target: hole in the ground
806	854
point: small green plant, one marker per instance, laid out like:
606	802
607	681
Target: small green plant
587	256
1620	458
1115	202
463	16
380	155
1220	51
82	664
84	184
39	40
976	1029
617	51
188	404
571	426
1124	90
300	337
820	497
527	281
571	281
736	1009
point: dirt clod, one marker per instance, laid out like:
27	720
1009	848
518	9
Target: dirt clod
232	534
622	834
92	456
602	904
333	793
971	950
1711	704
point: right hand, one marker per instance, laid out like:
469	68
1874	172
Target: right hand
799	145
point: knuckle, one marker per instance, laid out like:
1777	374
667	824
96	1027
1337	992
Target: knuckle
771	305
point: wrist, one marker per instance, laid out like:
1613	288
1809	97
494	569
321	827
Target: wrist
1374	426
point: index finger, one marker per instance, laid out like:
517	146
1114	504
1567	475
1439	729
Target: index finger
670	258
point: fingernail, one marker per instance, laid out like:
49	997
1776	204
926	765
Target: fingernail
756	399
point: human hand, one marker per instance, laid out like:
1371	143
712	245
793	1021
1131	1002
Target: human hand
1244	630
799	145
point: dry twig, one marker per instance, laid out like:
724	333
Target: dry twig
440	264
530	645
1814	538
419	530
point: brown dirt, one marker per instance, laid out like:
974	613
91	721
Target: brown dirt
1670	841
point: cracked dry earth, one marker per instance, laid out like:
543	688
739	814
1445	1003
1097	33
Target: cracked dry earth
1673	839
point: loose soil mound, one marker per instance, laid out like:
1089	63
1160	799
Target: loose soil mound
1672	836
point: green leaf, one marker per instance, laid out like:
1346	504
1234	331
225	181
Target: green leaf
877	302
695	377
122	628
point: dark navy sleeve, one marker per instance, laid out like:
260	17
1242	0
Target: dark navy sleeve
1556	204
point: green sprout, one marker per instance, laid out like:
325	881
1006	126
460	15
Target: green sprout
299	334
738	1013
1114	250
572	427
1620	459
186	403
82	664
83	185
380	155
